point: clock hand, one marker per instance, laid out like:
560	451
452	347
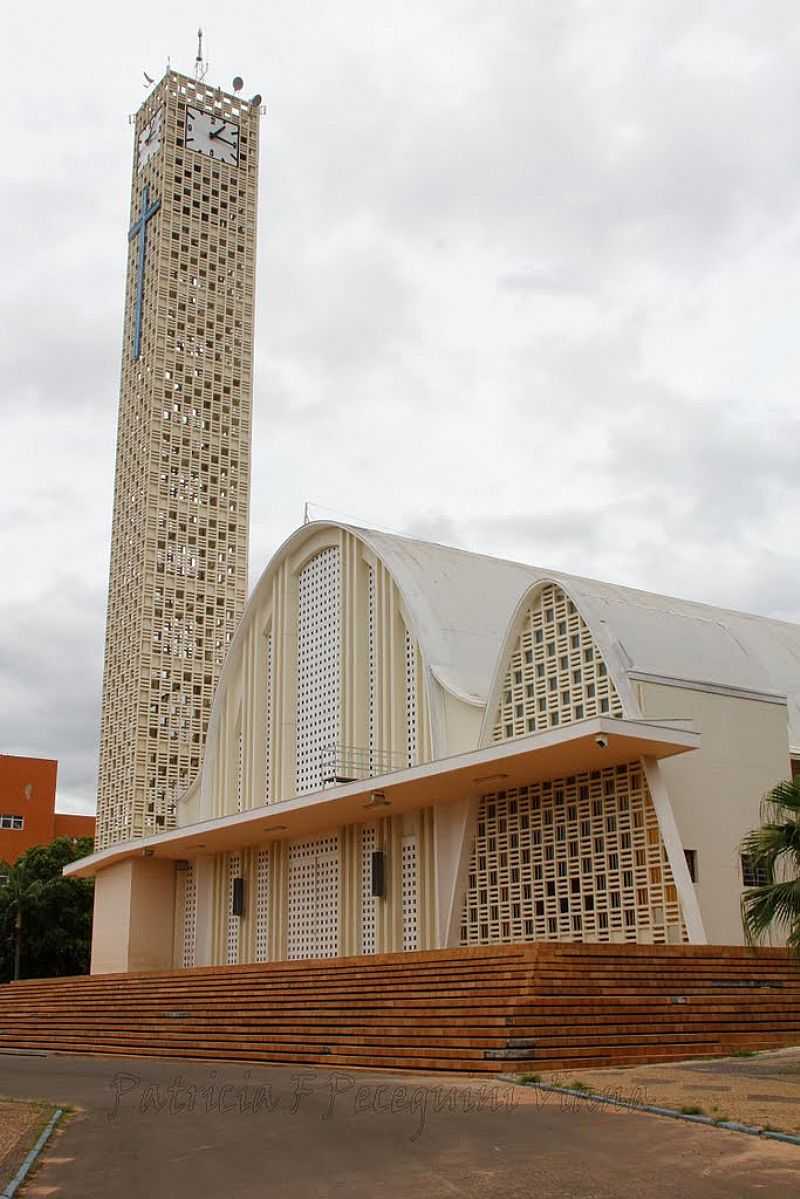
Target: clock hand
225	141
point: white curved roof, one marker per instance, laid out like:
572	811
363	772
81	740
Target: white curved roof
461	605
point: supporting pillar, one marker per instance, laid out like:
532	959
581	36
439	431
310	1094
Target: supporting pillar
675	855
454	833
134	916
204	890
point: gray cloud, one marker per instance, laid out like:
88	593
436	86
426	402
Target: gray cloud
527	284
50	670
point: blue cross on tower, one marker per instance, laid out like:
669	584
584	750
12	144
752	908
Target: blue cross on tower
139	229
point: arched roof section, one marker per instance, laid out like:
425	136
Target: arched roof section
644	635
462	608
601	633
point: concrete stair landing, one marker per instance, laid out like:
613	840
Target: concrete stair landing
514	1007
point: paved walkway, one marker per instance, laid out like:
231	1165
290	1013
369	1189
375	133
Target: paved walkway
178	1129
761	1089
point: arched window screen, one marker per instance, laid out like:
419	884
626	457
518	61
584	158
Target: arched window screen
319	682
556	673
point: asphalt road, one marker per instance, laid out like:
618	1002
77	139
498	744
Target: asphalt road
175	1129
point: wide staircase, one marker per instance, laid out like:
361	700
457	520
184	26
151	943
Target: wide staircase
504	1008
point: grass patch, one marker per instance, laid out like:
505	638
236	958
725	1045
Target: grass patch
577	1085
691	1110
527	1079
743	1053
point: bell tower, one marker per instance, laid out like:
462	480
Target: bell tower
178	573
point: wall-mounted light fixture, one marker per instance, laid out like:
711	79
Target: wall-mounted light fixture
377	800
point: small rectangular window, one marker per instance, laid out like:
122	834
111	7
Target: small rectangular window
754	874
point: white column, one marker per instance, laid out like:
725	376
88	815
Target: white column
203	867
674	847
454	831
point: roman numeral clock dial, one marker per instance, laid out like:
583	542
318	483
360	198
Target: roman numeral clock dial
212	136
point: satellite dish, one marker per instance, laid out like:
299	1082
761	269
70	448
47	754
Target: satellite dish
238	83
256	101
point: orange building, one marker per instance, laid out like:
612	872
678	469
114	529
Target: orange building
27	807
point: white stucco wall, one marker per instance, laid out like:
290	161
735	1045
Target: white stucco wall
134	905
715	791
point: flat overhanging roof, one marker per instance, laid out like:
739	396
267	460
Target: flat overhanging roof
577	748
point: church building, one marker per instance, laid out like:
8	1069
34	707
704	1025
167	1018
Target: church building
392	746
415	747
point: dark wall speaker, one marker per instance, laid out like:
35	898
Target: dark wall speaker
238	897
379	873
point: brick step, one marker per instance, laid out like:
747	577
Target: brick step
530	981
676	1017
567	1061
664	1015
610	951
268	981
325	967
330	1061
377	1041
508	988
415	1031
587	1059
574	1067
428	981
713	1048
212	1037
526	1008
369	967
409	1056
464	991
499	1028
593	978
343	1001
481	1011
180	1031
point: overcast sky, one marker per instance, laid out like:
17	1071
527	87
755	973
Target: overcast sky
527	283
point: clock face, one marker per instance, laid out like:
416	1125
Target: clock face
149	140
212	136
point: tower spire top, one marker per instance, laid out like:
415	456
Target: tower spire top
200	65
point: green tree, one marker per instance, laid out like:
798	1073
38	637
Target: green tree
774	851
46	919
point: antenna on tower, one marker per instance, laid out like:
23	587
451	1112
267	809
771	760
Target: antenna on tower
200	65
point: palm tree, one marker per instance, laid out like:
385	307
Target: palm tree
20	892
776	844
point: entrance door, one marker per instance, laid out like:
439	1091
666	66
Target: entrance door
314	869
